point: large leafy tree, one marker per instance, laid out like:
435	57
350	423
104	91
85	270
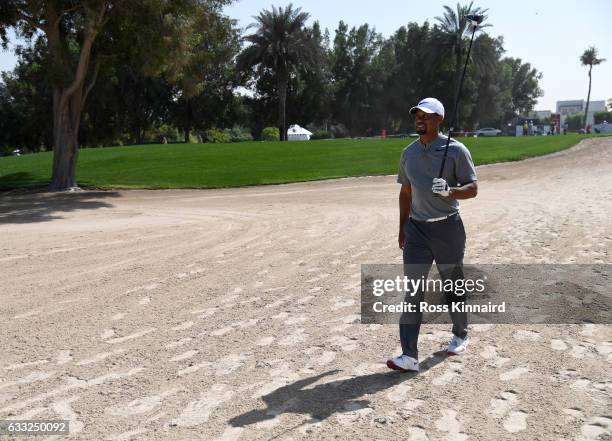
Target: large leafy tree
589	58
280	44
358	74
520	87
341	63
84	35
207	80
65	25
427	48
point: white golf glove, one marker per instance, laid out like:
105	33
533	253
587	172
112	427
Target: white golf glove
440	186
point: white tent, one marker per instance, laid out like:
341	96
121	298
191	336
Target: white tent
297	133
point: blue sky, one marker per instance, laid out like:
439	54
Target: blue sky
550	35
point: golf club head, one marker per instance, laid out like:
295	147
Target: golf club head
473	21
475	17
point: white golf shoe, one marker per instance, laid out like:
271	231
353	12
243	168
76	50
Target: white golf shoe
457	345
403	363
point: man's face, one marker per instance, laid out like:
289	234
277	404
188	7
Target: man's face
426	122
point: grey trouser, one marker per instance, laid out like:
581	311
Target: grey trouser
444	242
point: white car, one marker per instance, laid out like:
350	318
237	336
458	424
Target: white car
488	131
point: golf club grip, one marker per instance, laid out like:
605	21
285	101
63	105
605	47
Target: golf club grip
456	108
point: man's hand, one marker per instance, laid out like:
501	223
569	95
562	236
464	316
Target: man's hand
440	186
400	238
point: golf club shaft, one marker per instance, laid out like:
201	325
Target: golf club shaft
456	107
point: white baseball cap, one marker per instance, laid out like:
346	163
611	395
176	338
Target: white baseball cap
429	105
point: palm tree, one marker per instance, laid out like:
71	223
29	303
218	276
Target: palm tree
589	58
281	44
454	23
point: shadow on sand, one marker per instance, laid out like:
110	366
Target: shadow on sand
323	400
29	206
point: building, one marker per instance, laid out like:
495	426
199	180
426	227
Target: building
539	114
577	106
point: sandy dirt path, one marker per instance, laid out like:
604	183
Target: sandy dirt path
234	314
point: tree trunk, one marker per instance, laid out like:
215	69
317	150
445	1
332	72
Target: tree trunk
586	110
69	99
66	122
282	101
136	129
187	121
352	133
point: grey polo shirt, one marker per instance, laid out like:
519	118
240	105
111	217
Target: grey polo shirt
420	164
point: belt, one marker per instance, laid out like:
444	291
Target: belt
437	219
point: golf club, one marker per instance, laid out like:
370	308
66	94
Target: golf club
473	22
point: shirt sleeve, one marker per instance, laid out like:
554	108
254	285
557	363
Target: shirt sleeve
465	170
401	173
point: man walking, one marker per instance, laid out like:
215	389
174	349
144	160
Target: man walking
430	226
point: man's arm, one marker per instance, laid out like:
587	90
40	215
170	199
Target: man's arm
405	200
466	191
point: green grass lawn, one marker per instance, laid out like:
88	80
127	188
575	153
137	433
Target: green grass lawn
251	163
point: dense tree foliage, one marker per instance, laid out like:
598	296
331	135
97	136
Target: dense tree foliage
26	101
600	117
366	83
574	121
84	36
166	69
